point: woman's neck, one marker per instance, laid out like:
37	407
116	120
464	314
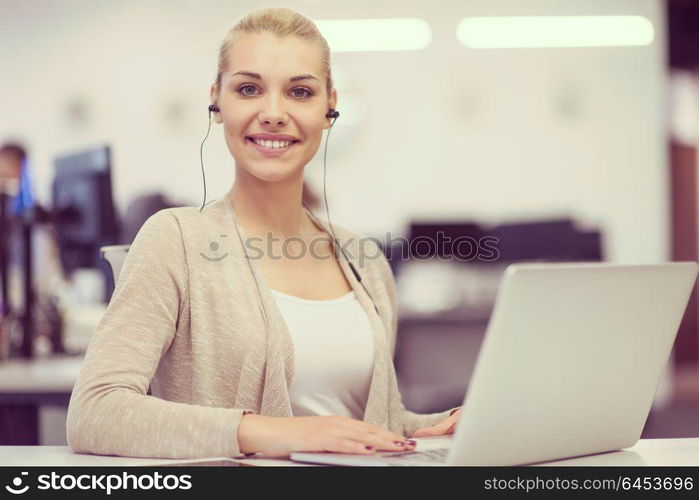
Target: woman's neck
273	207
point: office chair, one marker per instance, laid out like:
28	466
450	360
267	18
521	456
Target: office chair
115	256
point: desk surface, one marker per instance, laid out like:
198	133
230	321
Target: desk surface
663	452
56	374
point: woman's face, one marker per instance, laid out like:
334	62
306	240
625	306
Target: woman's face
272	104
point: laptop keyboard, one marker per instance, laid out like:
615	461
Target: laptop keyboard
437	456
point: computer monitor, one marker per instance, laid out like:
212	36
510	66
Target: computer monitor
83	209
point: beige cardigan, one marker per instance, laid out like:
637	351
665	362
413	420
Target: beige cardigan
209	339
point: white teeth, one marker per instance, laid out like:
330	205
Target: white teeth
272	144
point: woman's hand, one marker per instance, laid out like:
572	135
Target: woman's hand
279	436
446	426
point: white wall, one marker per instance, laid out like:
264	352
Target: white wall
491	134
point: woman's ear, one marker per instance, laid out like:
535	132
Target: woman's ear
332	103
213	94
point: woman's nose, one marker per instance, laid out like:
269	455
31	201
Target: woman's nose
274	121
272	113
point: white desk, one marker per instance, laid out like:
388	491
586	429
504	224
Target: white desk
662	452
54	375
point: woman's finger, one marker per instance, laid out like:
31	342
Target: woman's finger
438	429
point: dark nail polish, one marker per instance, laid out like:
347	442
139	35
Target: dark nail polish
369	448
411	442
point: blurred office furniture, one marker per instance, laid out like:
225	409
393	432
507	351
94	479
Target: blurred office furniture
433	239
115	255
445	235
683	20
34	396
4	273
551	240
83	213
683	145
82	219
445	300
18	225
80	322
16	277
685	230
26	247
5	308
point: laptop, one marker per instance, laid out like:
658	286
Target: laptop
569	366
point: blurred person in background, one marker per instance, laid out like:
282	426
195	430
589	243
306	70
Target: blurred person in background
209	326
12	156
48	277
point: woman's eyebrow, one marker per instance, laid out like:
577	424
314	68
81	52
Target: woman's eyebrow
258	77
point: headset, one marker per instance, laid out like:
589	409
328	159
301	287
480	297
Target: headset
332	113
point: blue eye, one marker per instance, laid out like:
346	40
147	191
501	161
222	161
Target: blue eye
308	93
241	92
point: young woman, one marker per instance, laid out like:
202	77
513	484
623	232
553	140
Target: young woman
252	331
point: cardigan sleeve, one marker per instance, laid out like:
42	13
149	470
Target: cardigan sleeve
411	421
110	412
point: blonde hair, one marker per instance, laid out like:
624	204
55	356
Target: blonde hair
281	22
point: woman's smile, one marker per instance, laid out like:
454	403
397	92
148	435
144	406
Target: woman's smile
271	148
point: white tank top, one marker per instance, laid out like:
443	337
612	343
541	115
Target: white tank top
333	355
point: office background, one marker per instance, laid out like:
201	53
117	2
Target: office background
596	142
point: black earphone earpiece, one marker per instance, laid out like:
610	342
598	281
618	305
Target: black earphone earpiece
214	108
